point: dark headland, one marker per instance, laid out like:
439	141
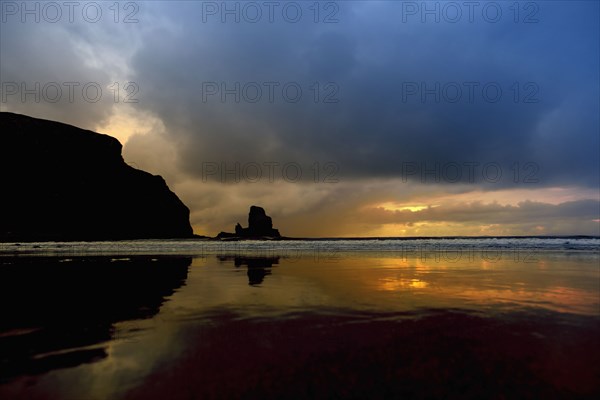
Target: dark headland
60	182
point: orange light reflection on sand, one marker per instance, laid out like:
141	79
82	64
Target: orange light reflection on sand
483	283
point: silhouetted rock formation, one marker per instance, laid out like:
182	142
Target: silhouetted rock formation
60	182
259	225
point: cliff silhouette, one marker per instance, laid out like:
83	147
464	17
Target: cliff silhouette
60	182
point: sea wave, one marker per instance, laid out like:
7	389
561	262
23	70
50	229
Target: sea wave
405	246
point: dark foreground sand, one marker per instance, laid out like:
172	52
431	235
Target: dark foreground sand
441	355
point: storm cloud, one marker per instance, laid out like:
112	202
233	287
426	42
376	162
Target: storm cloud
402	93
323	115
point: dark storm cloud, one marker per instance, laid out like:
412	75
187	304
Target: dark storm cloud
374	59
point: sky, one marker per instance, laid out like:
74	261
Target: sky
340	118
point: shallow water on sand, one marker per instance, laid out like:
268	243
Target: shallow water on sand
265	322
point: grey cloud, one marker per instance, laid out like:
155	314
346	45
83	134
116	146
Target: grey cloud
372	130
32	54
69	56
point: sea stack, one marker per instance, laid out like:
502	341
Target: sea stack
259	225
60	182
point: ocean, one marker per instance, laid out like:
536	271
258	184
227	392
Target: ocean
329	318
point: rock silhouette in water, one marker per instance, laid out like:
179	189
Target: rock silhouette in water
60	182
257	267
259	225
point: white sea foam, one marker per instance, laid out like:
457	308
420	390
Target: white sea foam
590	245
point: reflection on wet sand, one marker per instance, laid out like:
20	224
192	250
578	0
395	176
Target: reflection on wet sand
354	326
59	313
258	267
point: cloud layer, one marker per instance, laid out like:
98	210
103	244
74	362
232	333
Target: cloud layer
370	92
